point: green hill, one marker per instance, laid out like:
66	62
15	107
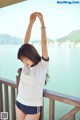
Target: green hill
74	36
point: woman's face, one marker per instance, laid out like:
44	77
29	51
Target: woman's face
27	62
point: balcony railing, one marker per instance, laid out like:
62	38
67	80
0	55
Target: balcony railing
8	92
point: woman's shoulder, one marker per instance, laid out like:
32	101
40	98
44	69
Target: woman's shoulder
44	62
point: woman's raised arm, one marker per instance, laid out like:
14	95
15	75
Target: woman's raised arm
43	37
29	29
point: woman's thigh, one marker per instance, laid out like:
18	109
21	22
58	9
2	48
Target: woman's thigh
20	114
32	116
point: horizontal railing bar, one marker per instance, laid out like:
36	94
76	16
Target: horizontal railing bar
75	101
71	100
8	82
46	92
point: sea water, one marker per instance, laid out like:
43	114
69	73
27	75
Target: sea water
64	72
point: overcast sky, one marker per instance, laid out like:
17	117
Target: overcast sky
60	19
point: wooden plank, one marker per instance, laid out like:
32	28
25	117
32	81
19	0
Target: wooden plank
72	117
4	3
51	109
8	82
70	114
17	82
18	77
6	99
1	99
42	114
13	103
68	99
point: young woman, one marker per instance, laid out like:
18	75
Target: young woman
33	75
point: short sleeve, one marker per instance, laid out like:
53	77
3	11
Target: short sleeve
44	62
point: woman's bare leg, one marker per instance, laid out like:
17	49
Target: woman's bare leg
32	117
20	114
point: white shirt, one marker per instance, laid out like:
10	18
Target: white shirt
31	84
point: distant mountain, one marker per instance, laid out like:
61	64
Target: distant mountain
74	36
7	39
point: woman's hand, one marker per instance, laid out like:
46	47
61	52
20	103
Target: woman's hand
33	17
29	29
40	16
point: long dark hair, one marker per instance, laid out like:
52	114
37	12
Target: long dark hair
27	50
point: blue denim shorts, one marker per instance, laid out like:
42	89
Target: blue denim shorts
28	109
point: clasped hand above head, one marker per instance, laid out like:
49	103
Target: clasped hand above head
37	14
